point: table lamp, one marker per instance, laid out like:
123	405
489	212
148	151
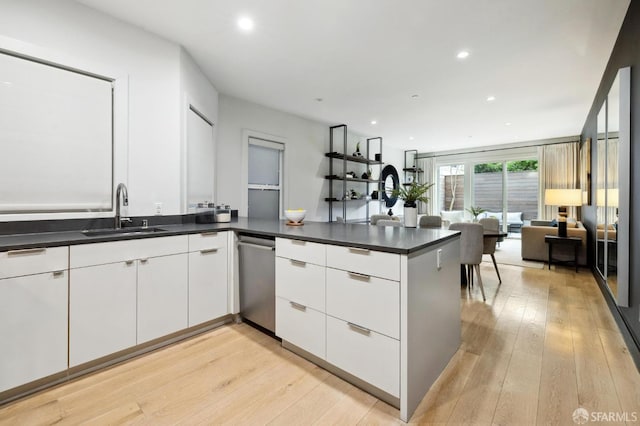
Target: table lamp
562	198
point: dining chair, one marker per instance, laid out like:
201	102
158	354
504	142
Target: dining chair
430	222
387	222
493	225
471	245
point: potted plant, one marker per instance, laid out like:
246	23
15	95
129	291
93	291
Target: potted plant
357	153
411	194
475	211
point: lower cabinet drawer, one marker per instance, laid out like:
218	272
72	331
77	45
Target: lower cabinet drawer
364	261
368	355
368	301
301	326
301	282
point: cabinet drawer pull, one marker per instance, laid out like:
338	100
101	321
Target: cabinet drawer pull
209	234
298	242
359	329
144	260
58	273
298	306
298	262
359	276
359	250
26	251
129	262
207	251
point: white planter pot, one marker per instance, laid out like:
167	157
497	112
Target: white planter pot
410	217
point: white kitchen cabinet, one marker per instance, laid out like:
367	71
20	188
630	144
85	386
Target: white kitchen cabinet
301	282
302	326
368	301
300	295
102	310
364	261
364	353
208	277
15	263
123	293
162	296
304	251
33	326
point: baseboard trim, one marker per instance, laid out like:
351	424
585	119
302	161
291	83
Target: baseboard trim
629	338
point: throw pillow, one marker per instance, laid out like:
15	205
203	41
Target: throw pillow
554	223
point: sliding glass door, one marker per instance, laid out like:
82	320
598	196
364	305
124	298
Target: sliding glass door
451	188
488	184
508	191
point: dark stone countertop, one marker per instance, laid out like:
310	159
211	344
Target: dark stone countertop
387	239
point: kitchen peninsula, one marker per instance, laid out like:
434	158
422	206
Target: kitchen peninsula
377	306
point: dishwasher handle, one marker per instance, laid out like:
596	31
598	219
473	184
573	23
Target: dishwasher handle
243	244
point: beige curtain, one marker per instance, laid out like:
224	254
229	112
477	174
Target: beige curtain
557	168
428	165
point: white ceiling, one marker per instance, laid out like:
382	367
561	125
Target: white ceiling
541	59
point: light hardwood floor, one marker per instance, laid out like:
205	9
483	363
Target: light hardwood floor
543	344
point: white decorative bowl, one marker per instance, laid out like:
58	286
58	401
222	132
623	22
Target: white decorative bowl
295	216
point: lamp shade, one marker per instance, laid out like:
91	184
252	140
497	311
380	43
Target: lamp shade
562	197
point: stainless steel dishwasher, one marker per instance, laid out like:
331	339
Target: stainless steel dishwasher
258	280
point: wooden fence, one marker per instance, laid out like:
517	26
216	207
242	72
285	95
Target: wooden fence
522	192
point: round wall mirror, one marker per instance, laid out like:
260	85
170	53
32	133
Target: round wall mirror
390	182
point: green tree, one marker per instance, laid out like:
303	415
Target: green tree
512	166
522	165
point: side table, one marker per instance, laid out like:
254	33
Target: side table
552	240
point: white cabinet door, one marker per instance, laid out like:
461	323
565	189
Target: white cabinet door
162	296
33	327
208	292
102	311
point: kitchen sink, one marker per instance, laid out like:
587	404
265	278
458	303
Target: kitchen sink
122	231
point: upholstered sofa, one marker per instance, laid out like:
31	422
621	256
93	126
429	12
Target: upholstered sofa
534	247
514	219
451	216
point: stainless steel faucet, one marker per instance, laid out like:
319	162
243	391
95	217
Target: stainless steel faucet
121	189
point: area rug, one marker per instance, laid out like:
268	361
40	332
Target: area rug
508	253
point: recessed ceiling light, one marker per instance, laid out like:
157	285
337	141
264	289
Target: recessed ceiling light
462	54
7	83
415	96
410	138
374	122
245	23
491	98
319	99
507	124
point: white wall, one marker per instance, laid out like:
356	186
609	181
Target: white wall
197	91
306	143
158	73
